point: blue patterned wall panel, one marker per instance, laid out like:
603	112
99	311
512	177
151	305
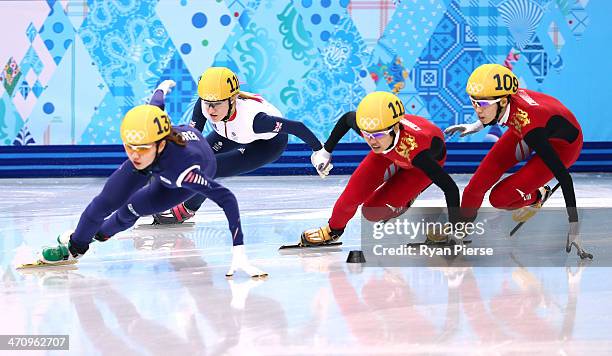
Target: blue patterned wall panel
72	70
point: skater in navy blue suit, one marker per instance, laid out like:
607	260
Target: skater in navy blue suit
182	165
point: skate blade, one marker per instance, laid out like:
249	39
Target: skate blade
40	263
524	214
186	225
299	246
257	277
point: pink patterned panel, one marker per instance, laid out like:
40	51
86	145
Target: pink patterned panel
16	17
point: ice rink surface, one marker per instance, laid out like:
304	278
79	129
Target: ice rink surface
163	291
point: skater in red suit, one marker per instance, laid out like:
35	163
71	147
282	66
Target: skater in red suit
537	123
411	144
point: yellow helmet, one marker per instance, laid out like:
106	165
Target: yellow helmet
218	83
144	124
492	80
378	111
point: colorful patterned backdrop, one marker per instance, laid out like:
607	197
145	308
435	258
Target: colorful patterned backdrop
72	68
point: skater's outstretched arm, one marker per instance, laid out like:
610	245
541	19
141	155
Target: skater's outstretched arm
321	159
163	89
537	139
196	181
266	123
198	120
425	162
344	124
158	99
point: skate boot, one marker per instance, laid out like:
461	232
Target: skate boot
435	237
64	253
177	215
527	212
457	237
321	236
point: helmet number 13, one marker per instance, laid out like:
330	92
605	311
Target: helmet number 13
165	128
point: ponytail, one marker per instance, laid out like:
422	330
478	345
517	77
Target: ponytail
247	95
176	138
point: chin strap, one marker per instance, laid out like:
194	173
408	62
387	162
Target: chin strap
229	110
395	139
494	121
497	115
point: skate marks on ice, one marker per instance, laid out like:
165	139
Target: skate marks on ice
186	305
162	291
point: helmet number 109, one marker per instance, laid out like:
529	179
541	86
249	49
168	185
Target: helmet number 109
165	128
400	109
509	83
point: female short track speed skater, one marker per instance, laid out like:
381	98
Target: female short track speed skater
413	144
181	163
249	133
536	123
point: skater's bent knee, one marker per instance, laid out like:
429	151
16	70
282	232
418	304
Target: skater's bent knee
375	214
370	213
502	198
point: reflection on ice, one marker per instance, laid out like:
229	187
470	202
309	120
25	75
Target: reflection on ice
163	291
